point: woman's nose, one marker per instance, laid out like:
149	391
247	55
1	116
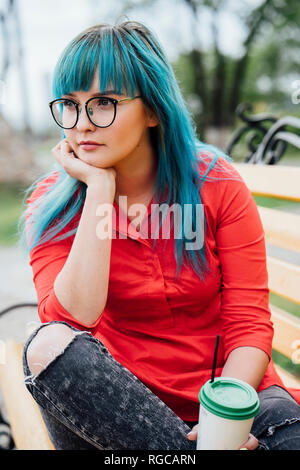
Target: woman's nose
84	121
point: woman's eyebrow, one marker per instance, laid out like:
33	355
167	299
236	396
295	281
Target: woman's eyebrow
97	93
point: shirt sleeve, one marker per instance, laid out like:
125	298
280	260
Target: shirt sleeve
240	239
46	261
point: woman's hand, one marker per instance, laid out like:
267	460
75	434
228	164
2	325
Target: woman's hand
82	171
250	444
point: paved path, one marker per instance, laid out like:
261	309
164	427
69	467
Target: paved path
16	286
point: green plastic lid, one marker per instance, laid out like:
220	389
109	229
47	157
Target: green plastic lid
229	398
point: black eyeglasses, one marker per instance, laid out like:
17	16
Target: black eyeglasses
100	110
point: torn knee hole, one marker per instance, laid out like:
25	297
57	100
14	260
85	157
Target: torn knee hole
49	343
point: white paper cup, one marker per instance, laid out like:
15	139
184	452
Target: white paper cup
227	410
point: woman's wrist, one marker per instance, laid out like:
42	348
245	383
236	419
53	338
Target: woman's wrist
105	192
246	363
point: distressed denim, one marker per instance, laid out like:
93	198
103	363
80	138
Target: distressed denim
277	426
89	401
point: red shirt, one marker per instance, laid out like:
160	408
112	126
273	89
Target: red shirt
164	330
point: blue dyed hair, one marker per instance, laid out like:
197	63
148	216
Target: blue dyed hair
129	58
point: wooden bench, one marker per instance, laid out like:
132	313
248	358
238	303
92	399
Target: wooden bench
281	229
27	426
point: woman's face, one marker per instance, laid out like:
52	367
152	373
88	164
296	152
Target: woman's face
127	136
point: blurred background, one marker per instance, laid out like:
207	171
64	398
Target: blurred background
224	52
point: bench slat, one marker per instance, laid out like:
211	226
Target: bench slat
284	279
288	379
27	426
281	228
267	180
286	333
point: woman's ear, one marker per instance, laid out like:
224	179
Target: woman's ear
152	118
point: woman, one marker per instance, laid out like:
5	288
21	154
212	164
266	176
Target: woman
130	318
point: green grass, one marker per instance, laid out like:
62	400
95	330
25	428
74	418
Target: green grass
10	211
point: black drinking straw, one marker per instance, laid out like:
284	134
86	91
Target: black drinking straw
215	359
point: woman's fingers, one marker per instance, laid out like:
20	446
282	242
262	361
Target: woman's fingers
67	147
63	147
250	444
65	156
82	171
192	435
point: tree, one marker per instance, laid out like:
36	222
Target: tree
10	16
220	79
4	16
270	19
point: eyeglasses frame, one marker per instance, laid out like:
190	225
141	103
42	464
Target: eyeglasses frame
113	100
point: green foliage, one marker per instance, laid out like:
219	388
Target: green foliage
262	75
184	74
10	210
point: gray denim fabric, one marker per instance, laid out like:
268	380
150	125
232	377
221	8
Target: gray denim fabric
89	401
277	426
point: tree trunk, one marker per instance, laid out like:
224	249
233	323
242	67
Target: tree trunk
200	89
218	105
254	22
236	88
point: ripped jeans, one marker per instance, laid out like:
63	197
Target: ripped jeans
89	401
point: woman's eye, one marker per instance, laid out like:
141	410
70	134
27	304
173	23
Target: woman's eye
68	104
104	102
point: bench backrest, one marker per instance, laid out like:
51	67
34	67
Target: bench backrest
282	229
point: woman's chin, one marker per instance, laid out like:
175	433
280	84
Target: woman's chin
94	159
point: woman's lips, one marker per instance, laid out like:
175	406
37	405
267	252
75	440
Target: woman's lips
90	146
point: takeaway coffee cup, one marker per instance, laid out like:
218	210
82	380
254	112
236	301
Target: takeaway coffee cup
227	410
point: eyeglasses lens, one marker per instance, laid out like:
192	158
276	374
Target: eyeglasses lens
101	112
